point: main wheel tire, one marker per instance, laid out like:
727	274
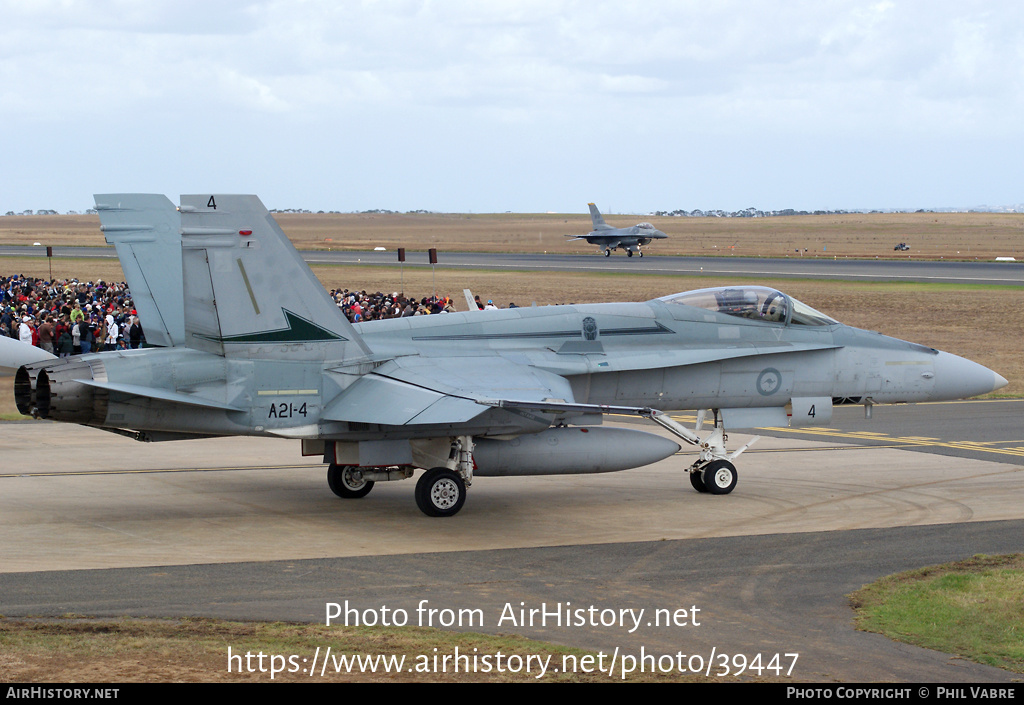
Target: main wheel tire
697	481
607	253
343	482
440	493
629	253
720	477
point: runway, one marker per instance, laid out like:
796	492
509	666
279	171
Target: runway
960	272
245	528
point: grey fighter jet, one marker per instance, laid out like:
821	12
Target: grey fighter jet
265	351
608	238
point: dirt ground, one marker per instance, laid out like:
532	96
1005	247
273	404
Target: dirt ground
929	235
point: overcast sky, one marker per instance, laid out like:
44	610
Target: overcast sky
514	105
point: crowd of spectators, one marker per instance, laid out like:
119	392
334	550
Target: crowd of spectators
361	306
68	316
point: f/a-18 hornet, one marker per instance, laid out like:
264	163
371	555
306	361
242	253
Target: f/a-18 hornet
264	351
630	239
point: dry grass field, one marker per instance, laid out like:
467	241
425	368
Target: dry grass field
930	235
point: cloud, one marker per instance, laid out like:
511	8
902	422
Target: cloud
584	81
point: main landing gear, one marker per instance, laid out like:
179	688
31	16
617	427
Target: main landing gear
347	481
713	471
440	491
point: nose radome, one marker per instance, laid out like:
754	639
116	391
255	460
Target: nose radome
959	378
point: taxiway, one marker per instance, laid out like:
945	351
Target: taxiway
821	267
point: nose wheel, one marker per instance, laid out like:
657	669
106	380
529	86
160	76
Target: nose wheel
697	481
713	472
719	477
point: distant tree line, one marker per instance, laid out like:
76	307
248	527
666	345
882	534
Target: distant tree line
746	213
755	213
372	211
679	213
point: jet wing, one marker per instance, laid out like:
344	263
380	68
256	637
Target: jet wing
596	238
14	354
416	390
380	400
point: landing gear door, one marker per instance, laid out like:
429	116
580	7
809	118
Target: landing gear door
810	411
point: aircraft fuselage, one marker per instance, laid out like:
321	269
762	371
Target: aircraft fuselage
689	359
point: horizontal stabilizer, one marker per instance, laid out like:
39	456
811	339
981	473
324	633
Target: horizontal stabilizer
138	390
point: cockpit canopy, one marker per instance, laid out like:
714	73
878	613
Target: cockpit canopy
645	226
758	303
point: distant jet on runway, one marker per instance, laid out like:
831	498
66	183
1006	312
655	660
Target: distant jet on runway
609	238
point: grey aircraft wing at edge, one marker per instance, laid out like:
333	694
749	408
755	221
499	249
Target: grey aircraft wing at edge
14	354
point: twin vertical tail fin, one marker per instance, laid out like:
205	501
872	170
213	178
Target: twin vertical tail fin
248	293
144	228
597	219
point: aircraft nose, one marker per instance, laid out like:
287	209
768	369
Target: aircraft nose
959	378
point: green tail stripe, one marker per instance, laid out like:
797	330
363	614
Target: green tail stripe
298	330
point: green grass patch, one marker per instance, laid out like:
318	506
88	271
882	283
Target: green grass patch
972	608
